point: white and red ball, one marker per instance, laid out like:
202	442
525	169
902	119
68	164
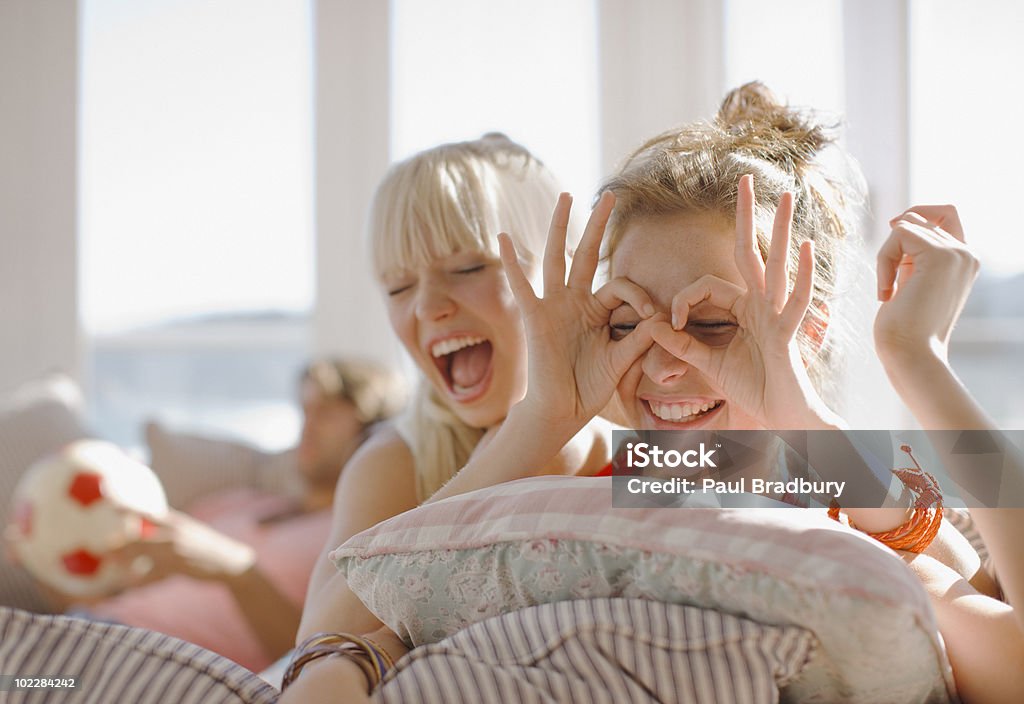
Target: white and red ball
71	508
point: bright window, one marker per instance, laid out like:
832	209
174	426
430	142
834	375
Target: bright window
965	116
196	201
793	46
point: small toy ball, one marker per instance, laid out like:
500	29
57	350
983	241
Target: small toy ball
72	507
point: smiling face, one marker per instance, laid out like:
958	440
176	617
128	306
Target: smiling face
664	254
457	318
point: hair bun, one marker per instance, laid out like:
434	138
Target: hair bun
760	122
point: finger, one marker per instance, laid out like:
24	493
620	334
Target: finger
585	260
128	552
796	307
776	275
625	352
682	345
937	234
748	259
554	250
718	292
905	240
621	290
944	216
522	290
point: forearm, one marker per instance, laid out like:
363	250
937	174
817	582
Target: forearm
524	446
335	678
330	679
271	614
932	392
335	608
940	401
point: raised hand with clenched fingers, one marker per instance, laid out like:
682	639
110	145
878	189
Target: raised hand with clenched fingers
925	272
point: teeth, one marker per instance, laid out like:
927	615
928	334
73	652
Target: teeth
680	411
454	344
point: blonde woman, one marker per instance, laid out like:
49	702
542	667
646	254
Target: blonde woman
434	227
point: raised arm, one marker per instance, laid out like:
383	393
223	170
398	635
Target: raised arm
925	272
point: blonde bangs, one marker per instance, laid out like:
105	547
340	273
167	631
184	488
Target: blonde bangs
430	208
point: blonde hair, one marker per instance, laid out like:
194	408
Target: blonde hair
452	198
696	168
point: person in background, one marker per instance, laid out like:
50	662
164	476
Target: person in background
231	574
342	402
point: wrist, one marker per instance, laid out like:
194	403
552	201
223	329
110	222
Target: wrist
324	679
906	357
530	420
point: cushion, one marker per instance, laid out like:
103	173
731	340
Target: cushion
36	420
112	663
191	466
443	566
604	651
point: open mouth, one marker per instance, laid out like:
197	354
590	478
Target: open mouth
465	365
683	414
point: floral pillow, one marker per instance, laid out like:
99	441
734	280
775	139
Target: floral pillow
436	569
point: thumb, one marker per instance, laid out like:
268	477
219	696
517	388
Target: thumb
625	352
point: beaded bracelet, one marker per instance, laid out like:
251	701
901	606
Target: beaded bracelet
917	532
371	659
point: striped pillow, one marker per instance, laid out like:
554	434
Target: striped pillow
112	663
604	651
36	420
438	568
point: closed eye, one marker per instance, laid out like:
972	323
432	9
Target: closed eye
712	324
620	330
470	269
399	289
714	333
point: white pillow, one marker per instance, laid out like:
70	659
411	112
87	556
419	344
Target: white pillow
191	465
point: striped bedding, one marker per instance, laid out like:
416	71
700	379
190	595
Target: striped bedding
114	664
601	650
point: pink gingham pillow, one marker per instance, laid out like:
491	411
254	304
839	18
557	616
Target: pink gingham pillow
436	569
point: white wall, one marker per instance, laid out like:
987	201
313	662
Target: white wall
352	137
662	64
38	200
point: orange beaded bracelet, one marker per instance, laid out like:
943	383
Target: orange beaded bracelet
917	532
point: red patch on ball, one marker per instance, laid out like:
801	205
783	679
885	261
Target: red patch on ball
85	488
81	562
147	528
